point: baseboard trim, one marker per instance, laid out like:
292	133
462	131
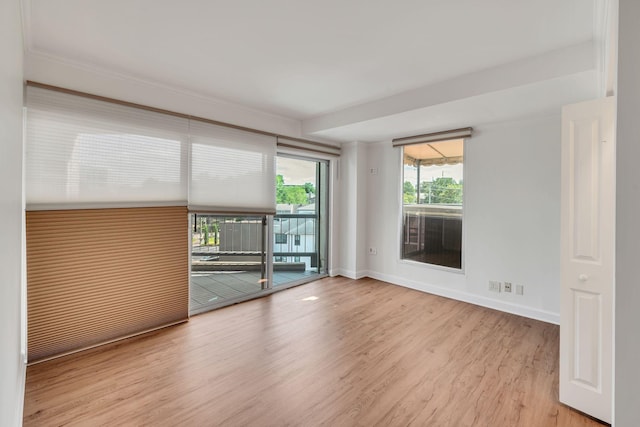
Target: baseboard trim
351	274
507	307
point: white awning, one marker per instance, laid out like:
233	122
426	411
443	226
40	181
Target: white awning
434	153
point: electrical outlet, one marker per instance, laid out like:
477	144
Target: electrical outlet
519	289
507	286
373	251
494	286
373	171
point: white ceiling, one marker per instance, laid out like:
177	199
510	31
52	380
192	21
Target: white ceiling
347	69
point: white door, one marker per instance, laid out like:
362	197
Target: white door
587	251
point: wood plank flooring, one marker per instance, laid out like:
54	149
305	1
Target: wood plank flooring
335	352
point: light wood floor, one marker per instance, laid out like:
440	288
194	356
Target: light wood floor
363	353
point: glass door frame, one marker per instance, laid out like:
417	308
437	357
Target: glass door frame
264	282
322	239
321	233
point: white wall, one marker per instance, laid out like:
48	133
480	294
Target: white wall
511	222
627	335
361	198
44	69
350	215
12	369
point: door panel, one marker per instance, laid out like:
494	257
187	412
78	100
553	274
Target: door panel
585	148
588	340
587	251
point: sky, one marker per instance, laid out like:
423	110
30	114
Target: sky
296	171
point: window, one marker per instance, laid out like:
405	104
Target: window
281	239
432	202
297	240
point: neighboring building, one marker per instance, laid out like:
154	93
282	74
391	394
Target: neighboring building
295	235
291	235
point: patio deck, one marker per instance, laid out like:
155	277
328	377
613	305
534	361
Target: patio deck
211	288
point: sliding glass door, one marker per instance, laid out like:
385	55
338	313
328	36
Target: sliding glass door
228	259
300	225
236	257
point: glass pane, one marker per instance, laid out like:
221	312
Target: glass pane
228	259
433	202
300	206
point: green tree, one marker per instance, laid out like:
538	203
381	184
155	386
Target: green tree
292	194
408	192
444	190
206	235
295	195
280	196
215	229
309	188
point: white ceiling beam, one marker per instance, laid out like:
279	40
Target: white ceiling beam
532	100
571	60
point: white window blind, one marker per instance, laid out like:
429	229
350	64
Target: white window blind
296	145
82	152
445	135
231	170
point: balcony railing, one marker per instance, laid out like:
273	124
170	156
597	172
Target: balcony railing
228	242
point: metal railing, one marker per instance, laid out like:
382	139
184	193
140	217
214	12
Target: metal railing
221	238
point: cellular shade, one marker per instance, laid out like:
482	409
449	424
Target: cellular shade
231	170
83	152
97	275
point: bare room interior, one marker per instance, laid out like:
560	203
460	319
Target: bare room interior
335	213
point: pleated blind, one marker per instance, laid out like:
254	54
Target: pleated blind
102	274
83	152
231	170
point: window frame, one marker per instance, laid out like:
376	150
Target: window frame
400	224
